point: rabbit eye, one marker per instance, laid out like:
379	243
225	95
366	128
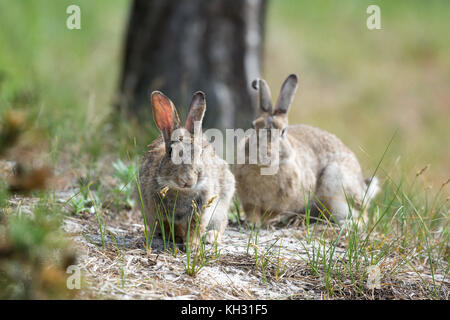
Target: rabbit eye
198	172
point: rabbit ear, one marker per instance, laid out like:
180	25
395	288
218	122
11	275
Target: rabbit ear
196	111
265	98
286	94
165	115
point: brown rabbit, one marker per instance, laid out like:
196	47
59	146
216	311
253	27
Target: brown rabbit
313	164
172	189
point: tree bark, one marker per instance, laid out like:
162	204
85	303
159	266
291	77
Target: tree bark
182	46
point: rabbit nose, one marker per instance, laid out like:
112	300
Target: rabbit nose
269	121
187	182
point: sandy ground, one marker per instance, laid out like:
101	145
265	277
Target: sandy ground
124	269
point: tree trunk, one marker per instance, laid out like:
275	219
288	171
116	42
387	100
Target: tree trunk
182	46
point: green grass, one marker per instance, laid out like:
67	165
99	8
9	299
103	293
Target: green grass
148	236
35	253
197	254
399	231
120	256
66	79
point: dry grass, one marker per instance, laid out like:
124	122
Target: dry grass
288	260
127	270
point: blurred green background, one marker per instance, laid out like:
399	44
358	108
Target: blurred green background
359	84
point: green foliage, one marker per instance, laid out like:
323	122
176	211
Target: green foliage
198	255
34	253
403	228
124	175
79	204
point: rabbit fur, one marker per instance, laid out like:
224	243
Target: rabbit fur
313	165
195	194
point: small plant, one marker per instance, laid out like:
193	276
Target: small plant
123	191
235	213
34	253
281	268
166	218
197	254
86	197
120	256
265	259
148	237
78	205
100	222
255	228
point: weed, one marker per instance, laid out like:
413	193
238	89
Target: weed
123	191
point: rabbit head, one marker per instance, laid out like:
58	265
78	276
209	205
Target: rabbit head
275	117
181	167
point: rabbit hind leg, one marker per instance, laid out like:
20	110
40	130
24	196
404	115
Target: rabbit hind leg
216	223
335	192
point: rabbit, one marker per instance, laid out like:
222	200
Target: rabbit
312	163
195	193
